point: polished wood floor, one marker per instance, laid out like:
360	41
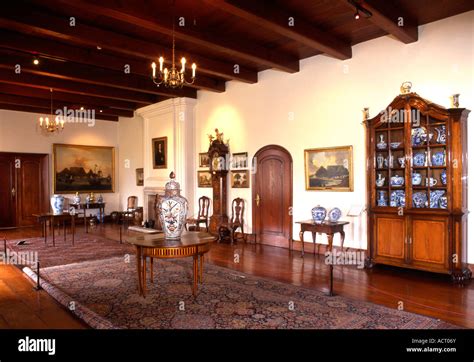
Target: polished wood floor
424	293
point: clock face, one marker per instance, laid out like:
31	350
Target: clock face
171	210
218	163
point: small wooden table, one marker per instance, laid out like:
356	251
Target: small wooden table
194	244
52	218
90	206
328	228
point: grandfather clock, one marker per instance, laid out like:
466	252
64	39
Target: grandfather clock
218	156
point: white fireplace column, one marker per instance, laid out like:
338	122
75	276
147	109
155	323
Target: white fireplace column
174	119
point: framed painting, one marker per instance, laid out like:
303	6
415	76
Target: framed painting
160	152
83	169
203	159
204	179
239	179
329	169
139	175
240	160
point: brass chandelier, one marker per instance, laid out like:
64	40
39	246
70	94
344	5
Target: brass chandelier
172	78
53	124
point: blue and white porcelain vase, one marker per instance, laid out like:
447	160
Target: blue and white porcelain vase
319	214
172	209
57	204
100	199
444	178
77	199
334	214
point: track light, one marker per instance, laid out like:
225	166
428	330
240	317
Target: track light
359	9
36	61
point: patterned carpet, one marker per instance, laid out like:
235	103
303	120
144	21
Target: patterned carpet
104	294
86	247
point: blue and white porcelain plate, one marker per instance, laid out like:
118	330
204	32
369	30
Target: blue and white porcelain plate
420	200
397	198
418	136
435	197
437	158
334	214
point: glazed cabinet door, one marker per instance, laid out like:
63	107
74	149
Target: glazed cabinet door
390	239
429	243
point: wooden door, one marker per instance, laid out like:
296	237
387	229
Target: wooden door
429	243
272	195
32	187
390	239
7	191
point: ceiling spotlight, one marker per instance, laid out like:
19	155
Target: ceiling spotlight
357	15
36	61
100	110
99	47
359	9
82	108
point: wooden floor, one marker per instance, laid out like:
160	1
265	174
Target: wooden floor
424	293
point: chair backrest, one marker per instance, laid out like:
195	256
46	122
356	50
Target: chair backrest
237	211
132	202
204	203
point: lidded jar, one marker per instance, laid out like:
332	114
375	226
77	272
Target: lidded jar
172	209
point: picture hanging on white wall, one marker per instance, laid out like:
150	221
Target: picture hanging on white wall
240	160
240	179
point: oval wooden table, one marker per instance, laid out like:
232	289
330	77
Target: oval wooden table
191	244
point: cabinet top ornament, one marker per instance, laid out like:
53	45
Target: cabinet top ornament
219	138
406	87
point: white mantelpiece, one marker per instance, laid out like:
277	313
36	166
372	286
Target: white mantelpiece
174	119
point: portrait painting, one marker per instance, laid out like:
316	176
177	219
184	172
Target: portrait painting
203	159
204	179
159	152
329	169
239	179
83	168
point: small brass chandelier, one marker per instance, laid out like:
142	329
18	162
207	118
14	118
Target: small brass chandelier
51	124
172	78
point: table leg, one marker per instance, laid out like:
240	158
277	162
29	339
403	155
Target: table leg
73	222
54	244
302	243
151	269
85	221
144	275
343	236
331	281
195	274
64	229
139	269
120	224
330	237
45	230
314	242
201	262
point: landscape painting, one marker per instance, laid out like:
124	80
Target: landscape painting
329	169
204	179
240	179
83	168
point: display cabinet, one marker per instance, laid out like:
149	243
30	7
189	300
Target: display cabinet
417	186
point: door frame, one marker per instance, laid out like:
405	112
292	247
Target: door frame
254	189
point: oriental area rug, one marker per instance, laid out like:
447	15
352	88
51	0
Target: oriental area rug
104	294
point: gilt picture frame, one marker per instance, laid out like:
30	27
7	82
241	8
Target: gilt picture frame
329	169
240	179
204	179
204	160
79	168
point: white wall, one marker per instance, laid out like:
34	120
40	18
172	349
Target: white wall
18	133
320	106
130	140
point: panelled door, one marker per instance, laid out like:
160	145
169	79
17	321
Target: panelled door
7	191
23	188
391	239
272	196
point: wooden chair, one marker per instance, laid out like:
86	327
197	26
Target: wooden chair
132	206
203	214
235	222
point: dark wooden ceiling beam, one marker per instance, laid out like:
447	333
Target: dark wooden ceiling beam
14	107
51	49
233	47
81	100
39	81
46	103
387	17
90	75
40	24
276	20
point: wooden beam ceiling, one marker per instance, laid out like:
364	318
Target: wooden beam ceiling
234	47
31	109
45	25
272	18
